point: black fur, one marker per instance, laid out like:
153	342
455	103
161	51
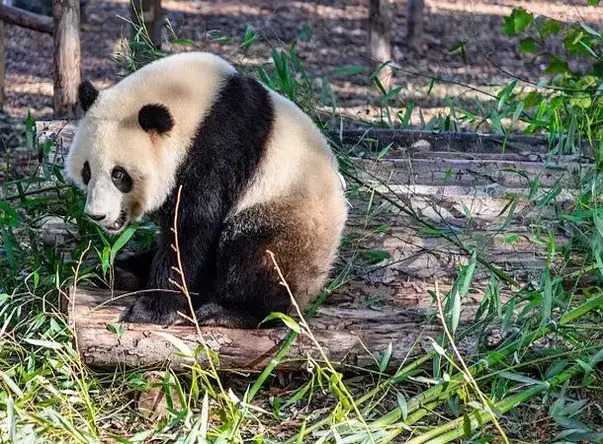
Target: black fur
87	95
155	117
132	272
225	154
247	287
122	180
86	174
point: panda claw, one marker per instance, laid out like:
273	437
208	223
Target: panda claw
147	310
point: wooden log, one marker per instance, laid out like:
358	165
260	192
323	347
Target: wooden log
480	207
66	15
434	158
379	35
463	172
149	15
411	142
407	143
26	19
349	337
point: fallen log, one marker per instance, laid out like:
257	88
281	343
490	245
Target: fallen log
349	337
412	142
26	19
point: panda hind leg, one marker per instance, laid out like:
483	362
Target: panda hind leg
247	286
214	314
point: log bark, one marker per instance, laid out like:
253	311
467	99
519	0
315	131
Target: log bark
26	19
409	143
349	337
467	173
66	15
148	14
412	142
379	35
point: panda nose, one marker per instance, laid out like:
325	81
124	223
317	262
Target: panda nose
96	217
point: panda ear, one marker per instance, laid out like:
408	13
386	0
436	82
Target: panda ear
155	117
86	95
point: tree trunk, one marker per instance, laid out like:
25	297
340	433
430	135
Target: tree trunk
66	56
414	34
380	47
148	13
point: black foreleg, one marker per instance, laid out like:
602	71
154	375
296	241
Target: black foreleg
198	231
132	272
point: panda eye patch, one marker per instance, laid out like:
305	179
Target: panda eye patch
86	173
121	179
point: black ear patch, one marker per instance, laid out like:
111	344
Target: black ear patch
155	117
86	95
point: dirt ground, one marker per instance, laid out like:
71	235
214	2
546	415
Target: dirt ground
334	35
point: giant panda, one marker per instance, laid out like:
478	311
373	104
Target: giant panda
255	175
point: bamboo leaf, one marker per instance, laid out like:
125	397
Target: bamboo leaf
42	343
11	384
518	377
287	320
385	358
402	405
466	425
438	348
177	343
122	240
505	95
548	295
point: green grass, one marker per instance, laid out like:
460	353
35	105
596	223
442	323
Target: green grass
543	373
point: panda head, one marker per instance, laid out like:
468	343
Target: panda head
120	157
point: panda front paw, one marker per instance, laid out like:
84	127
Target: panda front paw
156	309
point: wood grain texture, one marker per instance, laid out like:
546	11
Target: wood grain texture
66	16
349	337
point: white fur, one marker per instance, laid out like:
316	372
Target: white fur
299	163
109	133
298	158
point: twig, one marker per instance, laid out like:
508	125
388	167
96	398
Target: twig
184	288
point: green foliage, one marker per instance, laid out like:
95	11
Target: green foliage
568	102
518	21
48	395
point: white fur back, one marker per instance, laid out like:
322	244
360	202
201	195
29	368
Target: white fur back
298	161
